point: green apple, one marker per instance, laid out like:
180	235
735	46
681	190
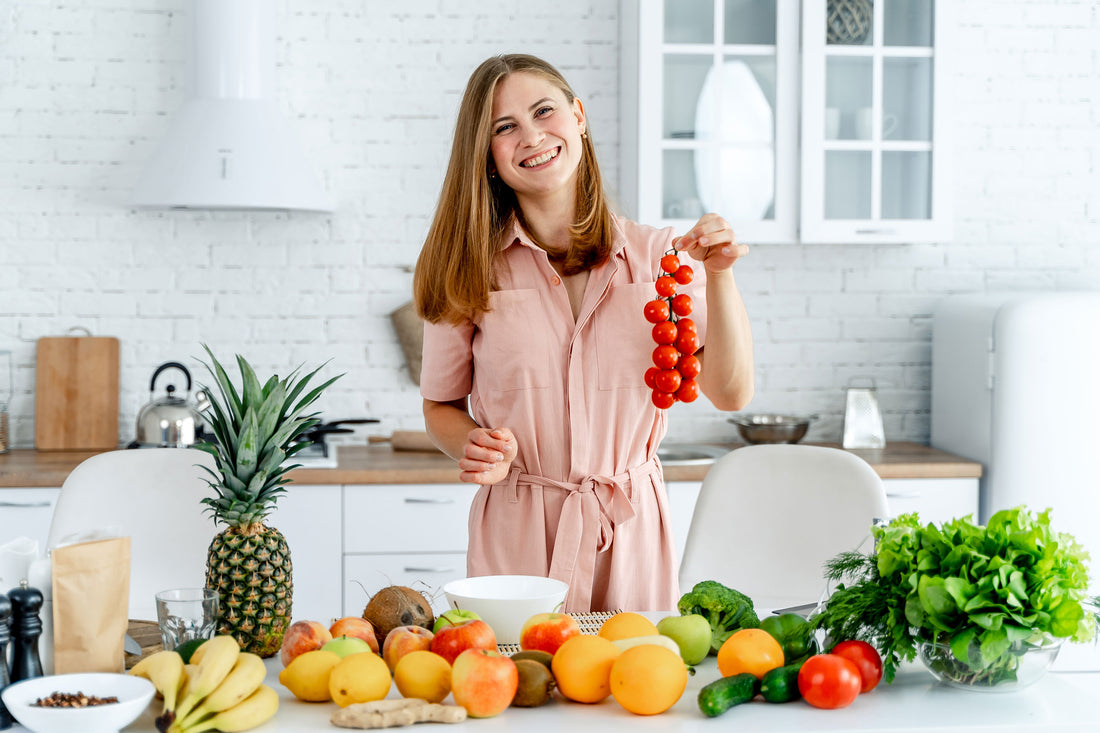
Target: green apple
454	617
691	633
345	646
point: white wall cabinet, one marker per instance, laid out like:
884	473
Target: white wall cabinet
404	534
793	125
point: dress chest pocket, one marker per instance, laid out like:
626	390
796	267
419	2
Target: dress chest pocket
624	345
513	346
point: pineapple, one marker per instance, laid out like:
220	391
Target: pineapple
255	431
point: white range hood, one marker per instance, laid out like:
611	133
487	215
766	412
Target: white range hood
229	146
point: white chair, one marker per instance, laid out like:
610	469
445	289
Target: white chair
153	496
768	518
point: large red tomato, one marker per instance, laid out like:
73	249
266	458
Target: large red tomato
866	659
828	681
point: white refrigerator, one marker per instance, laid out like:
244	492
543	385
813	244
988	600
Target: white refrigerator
1016	387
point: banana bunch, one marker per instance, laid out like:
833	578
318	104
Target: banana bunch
222	689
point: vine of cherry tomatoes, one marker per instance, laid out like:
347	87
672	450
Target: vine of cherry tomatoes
675	366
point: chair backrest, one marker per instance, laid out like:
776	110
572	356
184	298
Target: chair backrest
153	496
768	517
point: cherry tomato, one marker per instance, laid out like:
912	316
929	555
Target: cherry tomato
687	343
684	274
656	311
685	324
668	380
665	356
829	681
689	391
681	304
689	366
664	332
651	377
866	659
666	286
670	263
665	400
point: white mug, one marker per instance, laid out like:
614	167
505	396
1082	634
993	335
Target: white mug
689	208
865	123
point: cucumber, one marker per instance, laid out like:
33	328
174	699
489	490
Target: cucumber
781	684
722	694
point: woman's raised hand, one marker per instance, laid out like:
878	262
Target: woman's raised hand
488	455
712	242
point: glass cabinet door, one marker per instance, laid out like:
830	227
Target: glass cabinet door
873	143
723	92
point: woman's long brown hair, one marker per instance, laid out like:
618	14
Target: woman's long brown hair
454	272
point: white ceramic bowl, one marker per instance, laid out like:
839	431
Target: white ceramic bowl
505	602
133	693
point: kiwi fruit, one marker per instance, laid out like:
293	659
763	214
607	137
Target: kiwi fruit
536	683
536	655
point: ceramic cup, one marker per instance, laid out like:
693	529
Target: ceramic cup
864	123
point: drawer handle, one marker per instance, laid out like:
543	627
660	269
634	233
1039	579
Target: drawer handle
414	500
24	505
429	570
904	495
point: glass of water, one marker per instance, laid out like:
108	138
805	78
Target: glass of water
184	614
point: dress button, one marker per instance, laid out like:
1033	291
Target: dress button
556	280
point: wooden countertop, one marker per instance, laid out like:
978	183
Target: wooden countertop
380	464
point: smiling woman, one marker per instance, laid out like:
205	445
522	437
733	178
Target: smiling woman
535	348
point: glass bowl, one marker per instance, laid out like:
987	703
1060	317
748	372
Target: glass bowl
1023	664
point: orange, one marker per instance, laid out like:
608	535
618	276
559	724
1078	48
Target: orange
423	675
582	668
627	625
749	650
648	679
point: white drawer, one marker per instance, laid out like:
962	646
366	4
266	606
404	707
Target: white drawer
425	573
27	513
934	500
407	517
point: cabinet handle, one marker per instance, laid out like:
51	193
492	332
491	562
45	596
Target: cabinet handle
429	570
904	495
877	231
414	500
24	504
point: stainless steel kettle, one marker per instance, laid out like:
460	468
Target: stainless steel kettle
171	421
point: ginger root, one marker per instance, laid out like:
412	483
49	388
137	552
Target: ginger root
396	713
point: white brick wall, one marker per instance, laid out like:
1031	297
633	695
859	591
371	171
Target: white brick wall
87	87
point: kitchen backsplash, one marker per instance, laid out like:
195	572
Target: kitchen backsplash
87	88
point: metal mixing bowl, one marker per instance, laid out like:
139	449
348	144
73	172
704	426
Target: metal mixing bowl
763	428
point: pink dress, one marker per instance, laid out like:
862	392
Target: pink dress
585	501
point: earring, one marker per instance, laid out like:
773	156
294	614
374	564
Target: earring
584	134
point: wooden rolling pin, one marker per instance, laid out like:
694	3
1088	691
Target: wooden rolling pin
406	440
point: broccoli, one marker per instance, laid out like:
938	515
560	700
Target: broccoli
726	609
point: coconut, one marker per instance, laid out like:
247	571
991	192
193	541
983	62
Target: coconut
397	605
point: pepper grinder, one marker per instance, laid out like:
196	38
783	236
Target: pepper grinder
5	614
26	627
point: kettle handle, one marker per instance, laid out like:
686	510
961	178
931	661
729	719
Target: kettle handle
170	365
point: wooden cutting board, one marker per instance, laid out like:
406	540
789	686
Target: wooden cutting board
76	393
415	440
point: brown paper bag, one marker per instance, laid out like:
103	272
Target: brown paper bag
91	605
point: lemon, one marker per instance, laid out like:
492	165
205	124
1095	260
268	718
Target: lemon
424	675
307	676
362	677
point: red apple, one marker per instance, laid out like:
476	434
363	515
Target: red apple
302	637
484	681
548	631
453	640
404	639
358	627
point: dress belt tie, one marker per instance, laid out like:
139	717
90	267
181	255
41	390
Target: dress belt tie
589	515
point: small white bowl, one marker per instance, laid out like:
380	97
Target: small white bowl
133	693
505	602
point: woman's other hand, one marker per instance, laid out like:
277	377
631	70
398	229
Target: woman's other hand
487	456
711	241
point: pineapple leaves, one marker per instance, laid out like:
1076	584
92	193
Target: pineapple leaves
255	430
